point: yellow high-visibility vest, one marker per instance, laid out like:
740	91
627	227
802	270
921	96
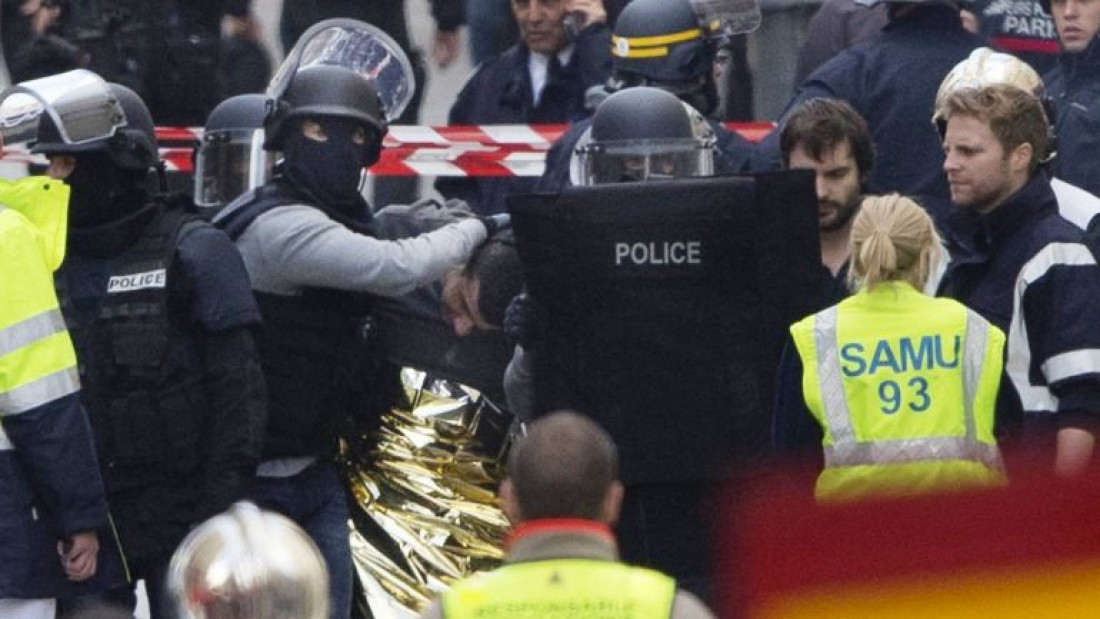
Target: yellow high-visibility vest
562	588
904	387
37	362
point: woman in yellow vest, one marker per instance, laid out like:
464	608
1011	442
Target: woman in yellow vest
903	385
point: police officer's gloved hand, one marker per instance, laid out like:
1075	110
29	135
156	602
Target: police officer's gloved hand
525	321
496	223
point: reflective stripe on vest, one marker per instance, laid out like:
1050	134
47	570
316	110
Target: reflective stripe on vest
39	392
30	330
846	450
563	589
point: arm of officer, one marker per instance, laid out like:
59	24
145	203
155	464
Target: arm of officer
309	249
43	428
1065	350
225	313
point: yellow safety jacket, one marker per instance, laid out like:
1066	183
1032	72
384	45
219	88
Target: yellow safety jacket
904	387
37	363
51	483
562	589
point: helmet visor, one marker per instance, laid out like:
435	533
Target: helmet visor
228	164
357	46
726	17
645	160
80	104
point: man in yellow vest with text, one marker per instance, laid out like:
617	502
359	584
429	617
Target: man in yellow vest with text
562	496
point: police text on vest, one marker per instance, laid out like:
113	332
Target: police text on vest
137	281
659	252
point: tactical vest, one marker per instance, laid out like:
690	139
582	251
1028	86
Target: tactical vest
141	373
313	350
562	589
905	388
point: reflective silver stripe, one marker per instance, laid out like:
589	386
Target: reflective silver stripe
977	331
837	416
26	332
1070	364
5	442
39	392
1036	398
933	449
847	451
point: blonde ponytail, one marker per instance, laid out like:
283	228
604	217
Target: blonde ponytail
893	239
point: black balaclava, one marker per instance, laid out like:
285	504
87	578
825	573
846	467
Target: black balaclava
109	207
101	192
329	171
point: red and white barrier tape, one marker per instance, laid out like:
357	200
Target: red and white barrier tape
417	150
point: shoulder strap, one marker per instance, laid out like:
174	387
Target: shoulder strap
239	214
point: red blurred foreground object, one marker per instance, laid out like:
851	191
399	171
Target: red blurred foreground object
1029	550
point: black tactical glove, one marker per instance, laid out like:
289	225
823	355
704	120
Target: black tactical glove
525	321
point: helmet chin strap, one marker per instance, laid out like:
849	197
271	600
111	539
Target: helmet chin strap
162	176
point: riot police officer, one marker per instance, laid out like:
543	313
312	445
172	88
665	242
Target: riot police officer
683	67
675	141
161	317
315	267
649	259
229	161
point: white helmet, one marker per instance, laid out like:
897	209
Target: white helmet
985	67
248	564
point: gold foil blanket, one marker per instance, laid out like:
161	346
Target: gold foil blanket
425	510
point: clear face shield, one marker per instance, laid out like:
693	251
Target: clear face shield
80	104
230	163
354	45
727	17
644	160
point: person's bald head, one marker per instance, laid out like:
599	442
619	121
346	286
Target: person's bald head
566	467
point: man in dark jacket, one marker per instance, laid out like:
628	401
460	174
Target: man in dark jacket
891	81
1024	268
1074	88
542	79
161	314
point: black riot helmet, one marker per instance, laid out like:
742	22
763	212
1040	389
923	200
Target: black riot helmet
230	160
675	141
661	43
131	146
326	90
